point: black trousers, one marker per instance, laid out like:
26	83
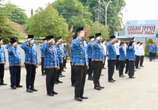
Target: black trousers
42	66
90	69
121	67
30	75
131	69
127	66
1	73
64	62
117	62
97	68
59	71
79	77
141	60
50	79
15	75
137	61
151	56
111	67
72	75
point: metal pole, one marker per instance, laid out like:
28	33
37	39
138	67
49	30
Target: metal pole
106	5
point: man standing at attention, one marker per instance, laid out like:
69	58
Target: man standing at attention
80	63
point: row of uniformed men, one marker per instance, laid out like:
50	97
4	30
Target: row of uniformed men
84	57
90	58
53	54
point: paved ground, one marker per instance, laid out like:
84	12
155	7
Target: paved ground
137	94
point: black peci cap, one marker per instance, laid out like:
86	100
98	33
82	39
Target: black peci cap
13	40
49	37
91	37
112	37
97	34
30	36
57	38
80	29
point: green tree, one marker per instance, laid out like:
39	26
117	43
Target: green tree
15	13
74	12
96	27
7	29
114	12
47	22
146	46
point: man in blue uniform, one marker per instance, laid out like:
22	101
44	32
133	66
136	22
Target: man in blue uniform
98	57
65	55
31	62
79	61
51	65
42	56
111	58
151	51
2	62
90	46
131	59
122	59
58	41
14	63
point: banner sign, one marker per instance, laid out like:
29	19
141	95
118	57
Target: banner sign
146	28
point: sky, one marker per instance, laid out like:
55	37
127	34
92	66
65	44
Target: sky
134	10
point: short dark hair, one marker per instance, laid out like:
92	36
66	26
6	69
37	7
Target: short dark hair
112	37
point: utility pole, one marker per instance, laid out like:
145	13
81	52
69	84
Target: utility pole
106	5
99	11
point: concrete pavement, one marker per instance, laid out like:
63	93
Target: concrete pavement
126	94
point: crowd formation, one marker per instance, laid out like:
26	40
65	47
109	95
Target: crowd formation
85	58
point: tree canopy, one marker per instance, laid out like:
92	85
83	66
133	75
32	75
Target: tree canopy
114	14
75	13
15	13
47	22
7	29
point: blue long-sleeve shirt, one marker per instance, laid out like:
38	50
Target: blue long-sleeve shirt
90	48
98	53
130	53
155	48
60	53
30	53
122	53
151	48
14	55
41	49
111	51
79	54
2	55
51	59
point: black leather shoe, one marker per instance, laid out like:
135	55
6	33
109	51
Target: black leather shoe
62	76
50	94
13	87
19	86
34	90
132	77
90	78
101	87
84	97
111	81
55	93
97	88
58	82
78	99
3	84
29	91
